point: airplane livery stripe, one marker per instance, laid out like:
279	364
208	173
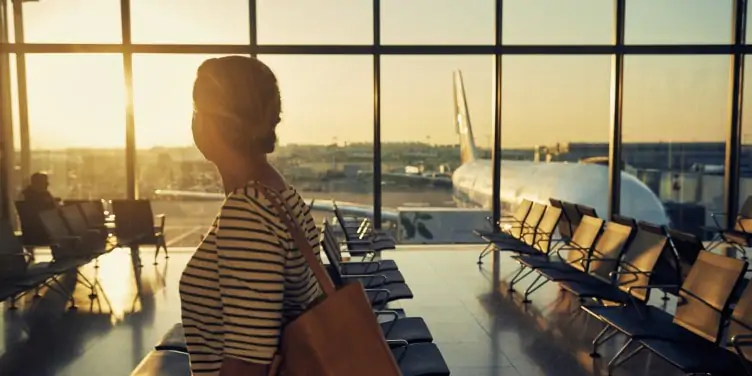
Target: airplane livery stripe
245	281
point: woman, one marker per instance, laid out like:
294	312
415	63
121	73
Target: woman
246	279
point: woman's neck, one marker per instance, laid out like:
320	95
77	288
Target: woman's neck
241	171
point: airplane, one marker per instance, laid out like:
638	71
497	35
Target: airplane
581	183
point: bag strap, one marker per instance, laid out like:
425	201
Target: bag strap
301	241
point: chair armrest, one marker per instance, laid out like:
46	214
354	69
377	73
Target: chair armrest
369	276
357	242
378	291
368	265
599	259
571	247
622	272
399	343
739	341
395	314
387	312
648	288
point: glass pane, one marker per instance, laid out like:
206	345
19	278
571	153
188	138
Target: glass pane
675	117
326	133
190	22
745	157
678	22
11	22
17	179
315	22
558	22
9	117
420	142
72	21
437	22
77	123
555	126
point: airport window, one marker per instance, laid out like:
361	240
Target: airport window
417	109
556	108
675	123
326	133
573	22
420	142
315	22
72	21
678	21
437	22
748	33
11	29
11	116
745	155
14	109
203	22
77	123
16	177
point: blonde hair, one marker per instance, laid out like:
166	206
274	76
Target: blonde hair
240	94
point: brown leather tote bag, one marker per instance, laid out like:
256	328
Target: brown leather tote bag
338	335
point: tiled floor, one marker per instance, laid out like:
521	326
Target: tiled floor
480	330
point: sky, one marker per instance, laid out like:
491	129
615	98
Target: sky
77	100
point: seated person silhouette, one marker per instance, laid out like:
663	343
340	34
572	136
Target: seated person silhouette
37	195
36	198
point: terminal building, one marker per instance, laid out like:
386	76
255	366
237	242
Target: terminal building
549	188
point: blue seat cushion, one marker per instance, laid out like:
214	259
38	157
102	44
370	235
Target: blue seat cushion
410	329
595	289
368	267
397	291
696	356
654	322
539	262
420	359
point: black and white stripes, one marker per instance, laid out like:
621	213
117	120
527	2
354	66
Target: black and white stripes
245	281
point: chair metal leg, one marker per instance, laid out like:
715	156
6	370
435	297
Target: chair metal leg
602	337
715	242
533	288
741	250
486	251
518	277
63	291
616	362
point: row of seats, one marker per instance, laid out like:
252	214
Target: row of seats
739	236
74	243
409	338
134	223
614	266
76	234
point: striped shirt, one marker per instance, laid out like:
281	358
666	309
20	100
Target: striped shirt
245	281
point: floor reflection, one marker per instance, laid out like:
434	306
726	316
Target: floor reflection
480	330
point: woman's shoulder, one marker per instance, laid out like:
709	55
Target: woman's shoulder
258	194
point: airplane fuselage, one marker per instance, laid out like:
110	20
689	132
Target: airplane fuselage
585	184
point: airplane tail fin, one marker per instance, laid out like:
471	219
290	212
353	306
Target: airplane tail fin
468	152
